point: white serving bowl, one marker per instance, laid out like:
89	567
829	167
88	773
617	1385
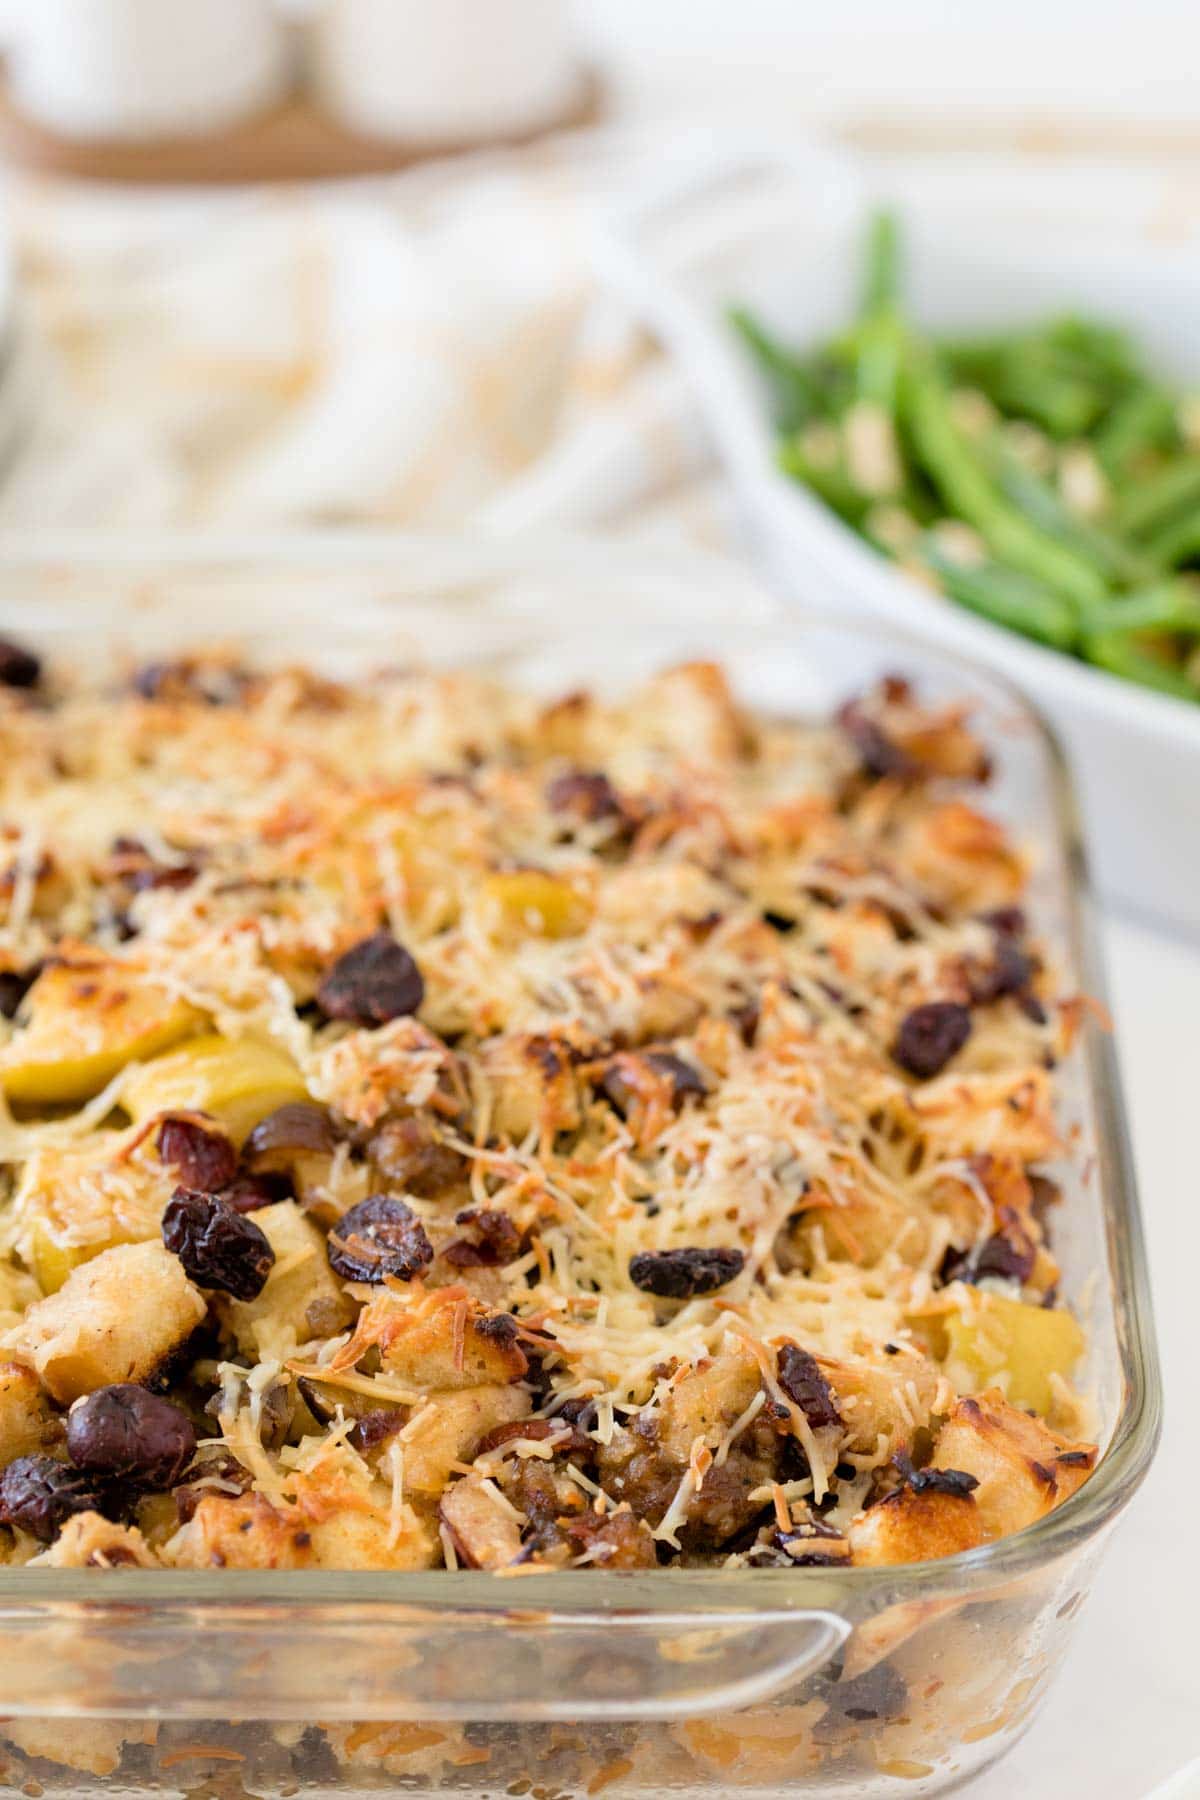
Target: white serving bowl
783	234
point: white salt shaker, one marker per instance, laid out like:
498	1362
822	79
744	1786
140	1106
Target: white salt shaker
143	69
447	71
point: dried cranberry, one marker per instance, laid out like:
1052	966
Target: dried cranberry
138	870
39	1495
495	1239
381	1236
588	796
217	1246
14	985
747	1017
1000	1256
942	1481
878	754
501	1328
375	1428
19	668
930	1036
684	1078
1006	921
1010	972
566	1436
206	1160
375	981
1046	1196
678	1274
801	1379
124	1432
249	1193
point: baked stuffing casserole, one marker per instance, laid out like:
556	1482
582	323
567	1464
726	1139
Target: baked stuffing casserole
443	1128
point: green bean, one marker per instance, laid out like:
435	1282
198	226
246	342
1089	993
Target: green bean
879	362
969	492
881	275
1172	606
1063	404
1104	349
1177	543
1143	509
1116	652
1120	563
1066	346
1142	419
1102	588
1007	598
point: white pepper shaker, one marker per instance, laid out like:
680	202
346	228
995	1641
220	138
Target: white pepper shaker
143	69
447	71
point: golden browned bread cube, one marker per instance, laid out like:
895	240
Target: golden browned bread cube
706	1403
242	1531
530	1083
1023	1468
380	1537
882	1397
438	1341
909	1526
27	1423
338	1523
482	1525
691	710
448	1430
115	1319
90	1541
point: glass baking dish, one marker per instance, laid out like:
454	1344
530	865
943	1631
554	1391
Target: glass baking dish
855	1682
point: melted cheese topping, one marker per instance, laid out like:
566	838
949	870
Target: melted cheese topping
668	953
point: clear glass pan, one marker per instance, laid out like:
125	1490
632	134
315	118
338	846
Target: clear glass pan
857	1682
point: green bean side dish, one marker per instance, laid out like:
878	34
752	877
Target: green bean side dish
1042	477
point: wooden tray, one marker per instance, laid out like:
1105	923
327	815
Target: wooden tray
295	141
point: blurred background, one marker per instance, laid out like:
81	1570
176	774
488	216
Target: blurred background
302	352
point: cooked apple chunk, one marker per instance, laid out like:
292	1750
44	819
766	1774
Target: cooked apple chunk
994	1340
236	1081
83	1021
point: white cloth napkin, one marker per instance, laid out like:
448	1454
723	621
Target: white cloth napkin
423	350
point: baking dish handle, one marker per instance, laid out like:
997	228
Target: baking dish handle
387	1662
631	1665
